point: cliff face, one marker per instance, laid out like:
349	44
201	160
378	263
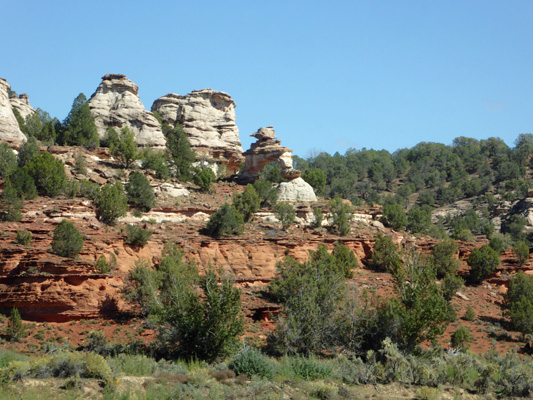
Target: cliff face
116	104
208	119
9	127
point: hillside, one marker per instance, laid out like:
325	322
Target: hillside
187	154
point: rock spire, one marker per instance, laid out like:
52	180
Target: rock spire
268	149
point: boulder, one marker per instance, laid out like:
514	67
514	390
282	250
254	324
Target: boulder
9	127
21	104
208	120
116	104
296	190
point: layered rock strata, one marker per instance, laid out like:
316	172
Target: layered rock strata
268	149
9	127
22	104
116	104
208	120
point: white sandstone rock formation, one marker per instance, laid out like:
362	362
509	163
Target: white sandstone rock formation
9	127
22	105
116	104
296	190
208	120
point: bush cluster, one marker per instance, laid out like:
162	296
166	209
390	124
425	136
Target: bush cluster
67	240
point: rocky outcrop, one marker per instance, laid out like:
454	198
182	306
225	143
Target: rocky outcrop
266	150
116	104
21	104
9	127
208	119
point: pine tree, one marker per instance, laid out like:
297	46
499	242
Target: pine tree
14	328
125	147
180	152
79	128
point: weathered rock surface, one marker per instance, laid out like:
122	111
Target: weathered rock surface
208	119
266	150
9	127
116	104
296	190
22	104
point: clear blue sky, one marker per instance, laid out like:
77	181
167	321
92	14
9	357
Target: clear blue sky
327	75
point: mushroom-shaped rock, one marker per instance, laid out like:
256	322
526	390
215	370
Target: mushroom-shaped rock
116	104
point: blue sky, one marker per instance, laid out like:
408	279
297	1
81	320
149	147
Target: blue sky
327	75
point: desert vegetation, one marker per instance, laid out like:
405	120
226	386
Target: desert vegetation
374	302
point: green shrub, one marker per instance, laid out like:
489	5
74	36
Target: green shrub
102	266
461	338
418	220
23	237
450	285
48	174
247	203
226	221
139	191
470	314
443	256
71	188
286	214
137	237
27	151
252	362
8	161
111	203
11	204
266	192
195	316
419	312
520	302
500	242
179	149
310	368
316	178
125	148
394	216
341	215
345	260
483	262
155	161
80	165
310	294
79	128
205	179
521	252
318	217
89	189
385	255
67	241
14	329
23	184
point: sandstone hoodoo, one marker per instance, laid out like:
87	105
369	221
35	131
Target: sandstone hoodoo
266	150
21	104
9	127
116	104
208	120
